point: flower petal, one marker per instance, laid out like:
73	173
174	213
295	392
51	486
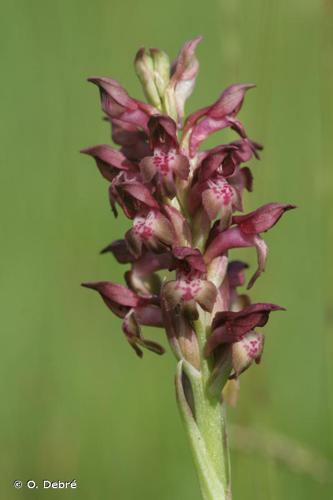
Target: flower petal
212	162
115	293
162	228
141	193
118	97
132	138
262	219
217	269
172	295
108	159
117	298
150	315
225	240
120	251
181	166
236	273
134	243
116	103
146	286
150	262
147	168
247	178
230	101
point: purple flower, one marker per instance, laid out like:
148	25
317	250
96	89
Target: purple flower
131	194
151	230
116	103
218	116
235	238
229	326
134	310
166	163
227	158
191	286
217	197
246	234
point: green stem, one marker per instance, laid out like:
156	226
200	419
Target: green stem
210	484
206	435
205	424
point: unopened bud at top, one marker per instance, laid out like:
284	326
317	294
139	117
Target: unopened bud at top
161	70
153	69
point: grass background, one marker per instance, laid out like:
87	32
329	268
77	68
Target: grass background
76	403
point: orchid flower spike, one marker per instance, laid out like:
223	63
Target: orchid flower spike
184	204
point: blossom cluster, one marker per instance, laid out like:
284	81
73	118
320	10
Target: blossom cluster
185	207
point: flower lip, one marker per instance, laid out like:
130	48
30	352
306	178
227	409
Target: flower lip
246	351
189	291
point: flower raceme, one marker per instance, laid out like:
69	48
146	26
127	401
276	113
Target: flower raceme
184	205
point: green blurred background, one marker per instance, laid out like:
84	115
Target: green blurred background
76	403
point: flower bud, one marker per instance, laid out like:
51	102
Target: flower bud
162	70
184	72
152	67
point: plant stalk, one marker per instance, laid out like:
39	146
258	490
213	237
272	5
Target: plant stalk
204	418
